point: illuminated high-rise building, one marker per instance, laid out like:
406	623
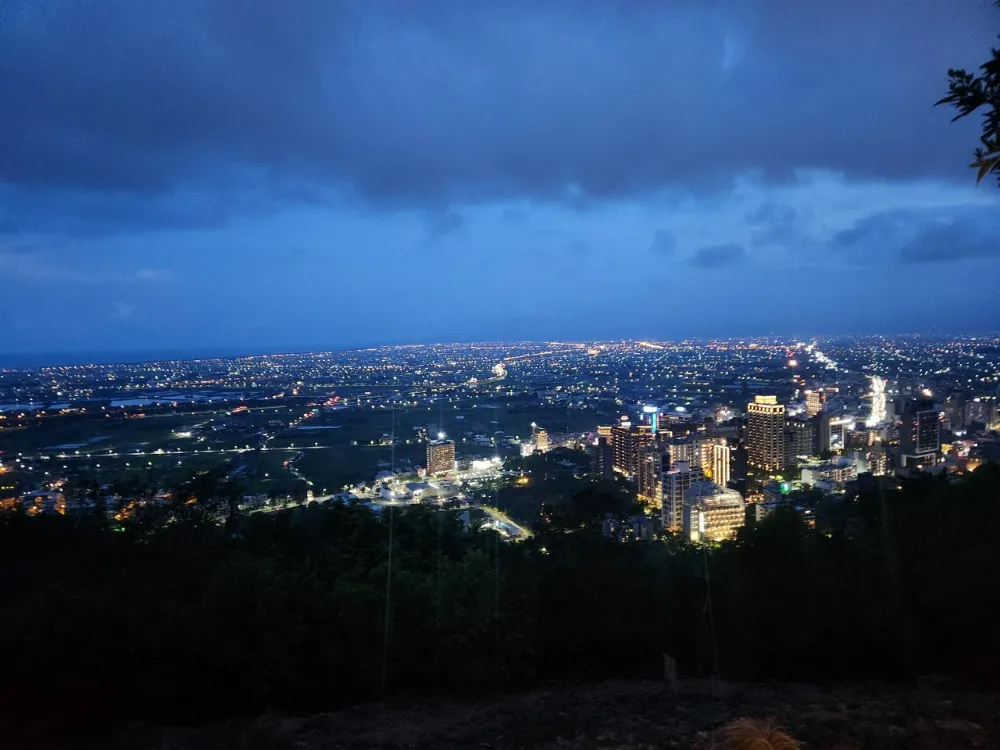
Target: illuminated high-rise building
621	448
838	431
440	456
878	410
626	443
721	456
541	440
684	449
980	409
877	460
674	484
861	438
705	454
652	462
919	433
814	402
604	431
799	439
765	433
652	413
712	513
831	431
604	459
955	411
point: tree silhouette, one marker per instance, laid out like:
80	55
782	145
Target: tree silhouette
969	93
287	610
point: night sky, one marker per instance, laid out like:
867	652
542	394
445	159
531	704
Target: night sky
279	175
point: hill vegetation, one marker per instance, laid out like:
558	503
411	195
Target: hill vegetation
178	618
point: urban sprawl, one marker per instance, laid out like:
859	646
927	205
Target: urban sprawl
706	436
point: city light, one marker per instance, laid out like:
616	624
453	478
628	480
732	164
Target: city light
878	408
708	379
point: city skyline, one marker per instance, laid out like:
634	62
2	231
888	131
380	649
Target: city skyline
80	357
77	357
217	175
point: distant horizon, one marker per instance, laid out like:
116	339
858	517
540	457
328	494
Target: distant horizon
78	357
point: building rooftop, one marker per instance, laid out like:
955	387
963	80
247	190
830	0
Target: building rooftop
707	492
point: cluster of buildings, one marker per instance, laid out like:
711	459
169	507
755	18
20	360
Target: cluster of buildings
704	478
441	452
684	473
749	421
37	502
898	435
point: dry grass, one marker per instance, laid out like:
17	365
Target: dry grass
754	734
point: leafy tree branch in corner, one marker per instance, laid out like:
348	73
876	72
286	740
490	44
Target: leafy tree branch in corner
969	93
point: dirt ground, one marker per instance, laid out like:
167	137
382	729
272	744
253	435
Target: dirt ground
628	715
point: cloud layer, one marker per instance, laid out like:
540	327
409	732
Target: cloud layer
214	153
413	104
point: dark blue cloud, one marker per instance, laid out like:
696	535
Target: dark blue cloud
950	242
418	104
443	223
664	243
873	233
771	213
773	223
718	256
909	237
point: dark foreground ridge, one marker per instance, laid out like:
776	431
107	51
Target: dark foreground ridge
632	714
